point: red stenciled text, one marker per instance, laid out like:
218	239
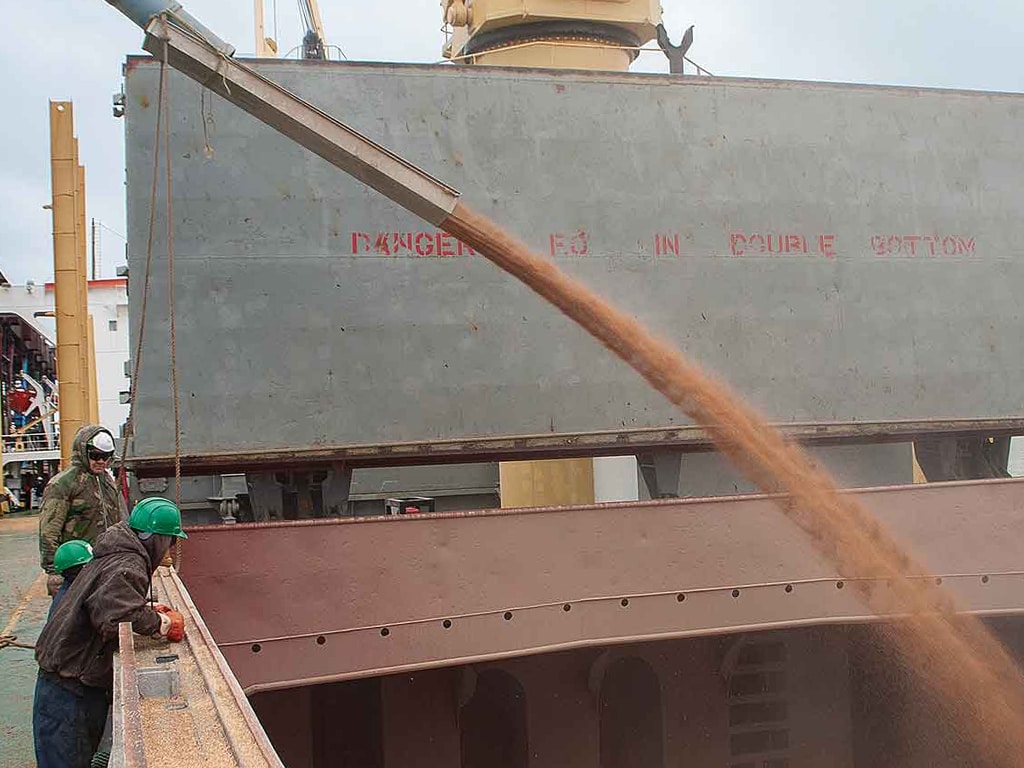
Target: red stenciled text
666	245
415	244
781	245
570	245
922	245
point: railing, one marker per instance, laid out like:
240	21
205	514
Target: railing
32	441
33	446
164	695
128	750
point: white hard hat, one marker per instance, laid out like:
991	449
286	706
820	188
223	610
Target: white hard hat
103	442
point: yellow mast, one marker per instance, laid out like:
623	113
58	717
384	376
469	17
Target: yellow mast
85	318
94	392
266	47
68	210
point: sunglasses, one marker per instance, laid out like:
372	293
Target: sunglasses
100	456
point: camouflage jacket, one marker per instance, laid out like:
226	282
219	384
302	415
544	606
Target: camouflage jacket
77	504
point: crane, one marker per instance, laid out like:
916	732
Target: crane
314	45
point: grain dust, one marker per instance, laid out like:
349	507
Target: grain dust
966	670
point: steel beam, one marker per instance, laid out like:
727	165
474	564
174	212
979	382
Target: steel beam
295	603
303	123
687	438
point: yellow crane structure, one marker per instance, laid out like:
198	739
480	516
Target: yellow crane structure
557	34
314	43
76	352
266	47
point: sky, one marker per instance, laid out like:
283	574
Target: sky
74	49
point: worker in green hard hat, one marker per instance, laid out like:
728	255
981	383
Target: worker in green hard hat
82	501
75	650
70	558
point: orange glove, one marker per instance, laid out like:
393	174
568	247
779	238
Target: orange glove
172	625
161	608
177	631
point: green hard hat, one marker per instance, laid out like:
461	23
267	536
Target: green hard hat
71	553
157	515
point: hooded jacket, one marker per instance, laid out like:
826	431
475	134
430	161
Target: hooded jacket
79	640
78	504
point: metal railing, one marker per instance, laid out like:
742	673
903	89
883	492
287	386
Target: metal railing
30	442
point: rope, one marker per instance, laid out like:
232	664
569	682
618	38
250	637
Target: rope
170	17
137	363
11	641
276	38
170	305
169	220
207	119
112	231
304	14
162	122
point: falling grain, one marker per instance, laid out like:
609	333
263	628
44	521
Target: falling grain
966	670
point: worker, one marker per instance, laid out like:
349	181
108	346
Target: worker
8	501
27	483
75	650
70	558
82	501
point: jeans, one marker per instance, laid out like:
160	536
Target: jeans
57	598
67	722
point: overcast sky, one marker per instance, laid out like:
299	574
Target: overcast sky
74	49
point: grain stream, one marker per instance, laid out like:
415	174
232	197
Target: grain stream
963	667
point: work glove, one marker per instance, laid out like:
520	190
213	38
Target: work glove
54	581
177	631
172	626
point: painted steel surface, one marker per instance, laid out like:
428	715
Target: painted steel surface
300	602
301	122
840	254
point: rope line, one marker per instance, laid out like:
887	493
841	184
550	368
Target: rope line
137	362
169	221
207	119
11	641
170	306
163	123
111	230
276	38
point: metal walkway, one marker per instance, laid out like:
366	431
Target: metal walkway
41	455
179	703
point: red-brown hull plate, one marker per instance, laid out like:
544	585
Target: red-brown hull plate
295	603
